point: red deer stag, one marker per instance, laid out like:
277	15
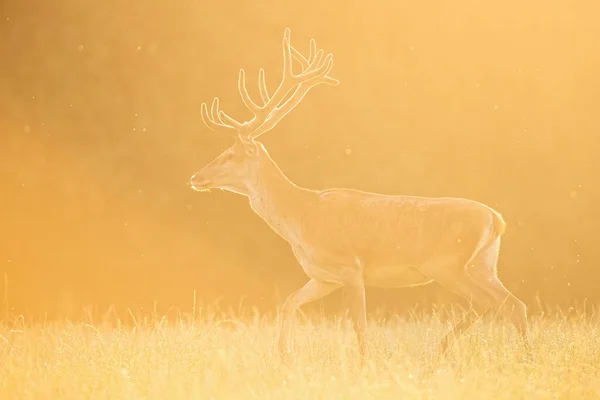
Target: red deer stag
351	238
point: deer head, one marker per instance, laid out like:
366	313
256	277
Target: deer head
237	166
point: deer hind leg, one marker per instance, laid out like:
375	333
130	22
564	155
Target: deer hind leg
460	282
312	290
509	307
483	271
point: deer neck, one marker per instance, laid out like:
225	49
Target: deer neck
277	200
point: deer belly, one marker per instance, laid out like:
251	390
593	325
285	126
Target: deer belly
394	276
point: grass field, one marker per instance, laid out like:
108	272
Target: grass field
214	357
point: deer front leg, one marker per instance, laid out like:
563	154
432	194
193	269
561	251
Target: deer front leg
355	288
313	290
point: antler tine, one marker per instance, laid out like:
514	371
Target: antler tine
288	79
252	106
311	58
205	117
313	50
214	110
212	120
262	86
287	56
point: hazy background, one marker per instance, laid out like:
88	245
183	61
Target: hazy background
100	130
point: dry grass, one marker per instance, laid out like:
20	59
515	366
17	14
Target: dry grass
215	358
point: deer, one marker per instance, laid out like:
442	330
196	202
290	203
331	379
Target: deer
351	238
